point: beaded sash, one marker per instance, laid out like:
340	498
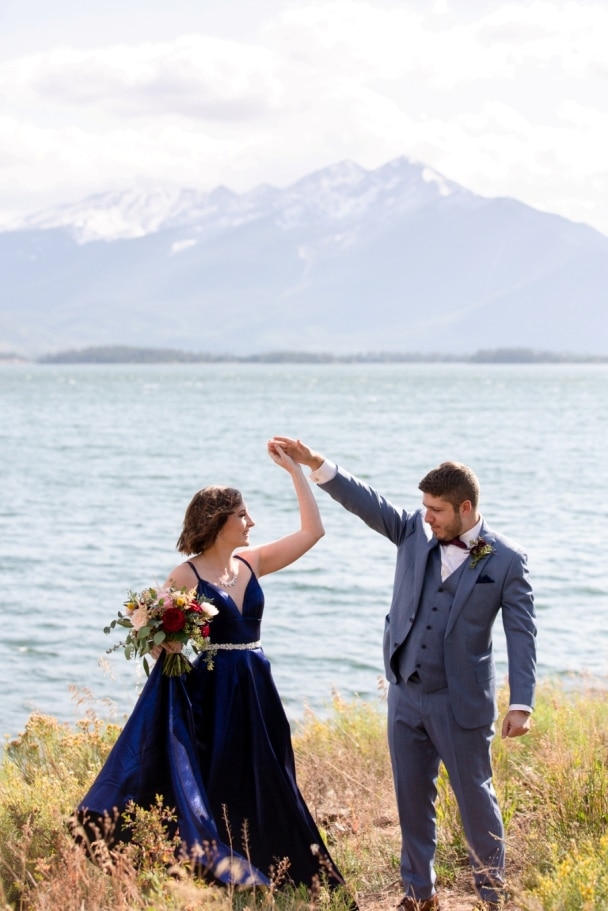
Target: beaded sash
230	646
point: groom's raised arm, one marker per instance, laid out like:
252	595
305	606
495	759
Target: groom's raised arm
353	494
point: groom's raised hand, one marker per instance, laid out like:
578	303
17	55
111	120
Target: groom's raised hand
299	452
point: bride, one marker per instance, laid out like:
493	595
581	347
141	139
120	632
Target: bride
216	743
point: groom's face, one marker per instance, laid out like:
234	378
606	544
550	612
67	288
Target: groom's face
446	521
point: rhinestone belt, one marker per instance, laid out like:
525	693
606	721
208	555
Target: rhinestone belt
239	646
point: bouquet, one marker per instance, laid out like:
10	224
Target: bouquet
158	615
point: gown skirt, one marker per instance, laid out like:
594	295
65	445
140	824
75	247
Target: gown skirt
216	745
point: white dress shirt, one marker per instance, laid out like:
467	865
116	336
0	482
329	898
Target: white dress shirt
452	556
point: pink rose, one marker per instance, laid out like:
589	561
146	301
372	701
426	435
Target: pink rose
139	617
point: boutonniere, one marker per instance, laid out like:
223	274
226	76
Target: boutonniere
478	550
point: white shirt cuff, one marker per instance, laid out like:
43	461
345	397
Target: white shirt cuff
325	472
520	708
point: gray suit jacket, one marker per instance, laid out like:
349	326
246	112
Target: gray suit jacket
499	581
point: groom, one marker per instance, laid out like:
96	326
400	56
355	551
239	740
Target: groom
453	575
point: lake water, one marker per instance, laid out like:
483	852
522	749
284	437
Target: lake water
99	463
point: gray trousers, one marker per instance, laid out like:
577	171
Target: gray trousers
422	732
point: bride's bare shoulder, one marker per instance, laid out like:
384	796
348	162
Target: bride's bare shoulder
182	575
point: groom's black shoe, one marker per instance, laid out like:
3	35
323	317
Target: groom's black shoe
409	903
491	904
497	901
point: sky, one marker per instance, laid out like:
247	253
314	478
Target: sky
507	98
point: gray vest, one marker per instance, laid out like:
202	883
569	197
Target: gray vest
422	651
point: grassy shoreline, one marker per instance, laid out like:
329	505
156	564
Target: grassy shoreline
552	785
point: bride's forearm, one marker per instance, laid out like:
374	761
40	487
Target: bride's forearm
310	517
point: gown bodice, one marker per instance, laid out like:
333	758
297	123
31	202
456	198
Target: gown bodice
231	626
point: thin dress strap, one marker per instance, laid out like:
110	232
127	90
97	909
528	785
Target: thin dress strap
243	560
236	557
194	570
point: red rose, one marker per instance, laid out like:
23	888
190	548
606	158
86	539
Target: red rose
173	620
205	630
195	606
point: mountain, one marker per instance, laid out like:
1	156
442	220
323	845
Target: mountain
345	260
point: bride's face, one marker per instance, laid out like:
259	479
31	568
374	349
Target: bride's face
236	528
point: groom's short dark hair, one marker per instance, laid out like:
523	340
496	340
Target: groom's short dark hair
454	482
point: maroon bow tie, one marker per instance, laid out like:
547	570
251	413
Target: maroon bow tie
456	541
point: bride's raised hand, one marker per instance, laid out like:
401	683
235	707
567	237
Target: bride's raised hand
278	455
299	451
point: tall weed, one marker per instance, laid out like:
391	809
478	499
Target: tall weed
552	785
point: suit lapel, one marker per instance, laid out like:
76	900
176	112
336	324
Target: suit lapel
414	584
468	579
420	567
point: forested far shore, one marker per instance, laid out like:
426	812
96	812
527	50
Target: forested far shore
124	354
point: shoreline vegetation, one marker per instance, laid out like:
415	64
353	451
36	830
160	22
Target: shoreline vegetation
552	785
125	354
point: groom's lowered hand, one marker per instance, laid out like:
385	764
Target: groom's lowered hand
516	723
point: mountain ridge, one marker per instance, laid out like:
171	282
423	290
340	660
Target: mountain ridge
397	258
128	214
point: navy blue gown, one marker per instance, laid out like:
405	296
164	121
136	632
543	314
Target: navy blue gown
216	745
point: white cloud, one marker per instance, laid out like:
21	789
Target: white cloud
346	35
509	101
43	166
196	75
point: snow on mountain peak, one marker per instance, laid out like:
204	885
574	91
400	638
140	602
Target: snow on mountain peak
110	216
445	187
341	193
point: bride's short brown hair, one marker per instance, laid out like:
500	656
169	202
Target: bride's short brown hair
205	517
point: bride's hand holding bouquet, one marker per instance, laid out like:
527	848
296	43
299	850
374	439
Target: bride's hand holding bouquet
165	619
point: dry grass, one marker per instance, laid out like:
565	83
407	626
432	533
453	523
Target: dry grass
344	773
553	787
